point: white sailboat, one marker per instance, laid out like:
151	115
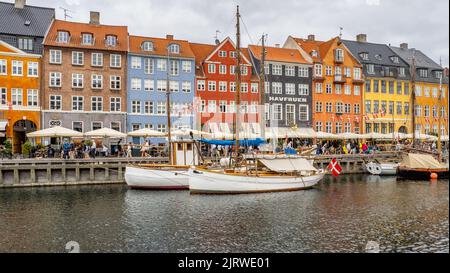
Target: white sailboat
250	173
163	177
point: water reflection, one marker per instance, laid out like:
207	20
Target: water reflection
339	215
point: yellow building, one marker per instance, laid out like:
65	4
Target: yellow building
19	94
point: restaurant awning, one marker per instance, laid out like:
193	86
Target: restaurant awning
56	131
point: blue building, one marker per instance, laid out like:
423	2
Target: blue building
151	63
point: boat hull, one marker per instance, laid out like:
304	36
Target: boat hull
382	168
156	179
422	174
207	182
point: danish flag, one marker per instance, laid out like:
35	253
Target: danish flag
335	168
366	117
375	116
357	119
427	120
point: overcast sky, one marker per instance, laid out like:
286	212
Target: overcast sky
422	24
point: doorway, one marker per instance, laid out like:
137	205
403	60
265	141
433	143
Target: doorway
20	130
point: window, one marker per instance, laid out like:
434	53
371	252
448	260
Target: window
347	108
232	87
290	89
406	88
87	39
423	73
348	72
149	85
383	86
55	79
376	106
399	108
391	107
115	104
55	102
17	68
201	85
136	84
357	73
111	40
3	67
223	106
77	126
328	127
211	68
233	54
318	107
187	66
290	114
276	69
395	59
347	90
174	86
391	87
399	88
3	98
364	56
32	97
77	103
115	82
136	62
147	46
418	91
244	87
149	66
97	104
115	60
319	88
418	110
33	68
211	106
77	58
383	128
161	64
222	54
368	107
63	37
338	71
161	85
77	80
338	89
328	88
318	70
368	86
435	92
339	107
97	81
402	72
96	125
25	43
222	69
267	87
17	96
376	86
303	89
174	48
329	107
136	107
290	70
368	128
55	56
427	92
406	108
277	111
211	86
303	72
347	127
115	125
319	127
254	88
338	127
427	111
244	70
222	86
97	59
339	55
303	113
148	107
277	88
357	90
174	68
356	109
186	87
370	69
328	70
232	69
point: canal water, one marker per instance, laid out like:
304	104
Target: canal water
339	215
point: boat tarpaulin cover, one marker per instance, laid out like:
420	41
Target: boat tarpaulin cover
288	165
243	142
420	161
3	124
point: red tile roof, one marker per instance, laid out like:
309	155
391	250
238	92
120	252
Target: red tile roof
99	32
160	46
201	52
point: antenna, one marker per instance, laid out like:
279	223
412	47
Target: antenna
66	15
340	32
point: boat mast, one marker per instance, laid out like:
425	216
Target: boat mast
169	123
238	81
262	113
439	145
413	97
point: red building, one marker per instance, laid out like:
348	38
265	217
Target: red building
216	88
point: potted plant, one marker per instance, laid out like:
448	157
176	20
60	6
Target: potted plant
26	148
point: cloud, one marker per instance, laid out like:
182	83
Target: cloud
422	24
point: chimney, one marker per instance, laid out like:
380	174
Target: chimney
362	38
311	37
169	37
95	18
277	45
404	46
20	4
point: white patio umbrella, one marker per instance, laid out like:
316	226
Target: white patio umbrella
377	136
56	131
105	133
444	138
324	135
146	132
349	136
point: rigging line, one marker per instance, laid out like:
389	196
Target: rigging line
246	30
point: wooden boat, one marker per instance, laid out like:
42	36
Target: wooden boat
377	168
157	177
421	166
269	175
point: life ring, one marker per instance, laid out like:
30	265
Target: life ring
373	168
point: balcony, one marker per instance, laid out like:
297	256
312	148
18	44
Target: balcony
358	81
339	79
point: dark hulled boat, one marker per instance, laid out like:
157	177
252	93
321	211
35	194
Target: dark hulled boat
421	167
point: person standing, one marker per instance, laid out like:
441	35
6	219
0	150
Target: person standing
129	150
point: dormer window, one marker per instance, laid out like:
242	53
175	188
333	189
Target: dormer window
378	57
87	39
111	40
423	73
63	37
438	74
314	53
395	59
147	46
174	48
339	55
364	56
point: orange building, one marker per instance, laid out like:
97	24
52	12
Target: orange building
337	84
19	92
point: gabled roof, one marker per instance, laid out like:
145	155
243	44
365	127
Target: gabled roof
99	32
12	20
277	54
160	46
421	60
243	50
310	46
201	51
373	50
7	49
